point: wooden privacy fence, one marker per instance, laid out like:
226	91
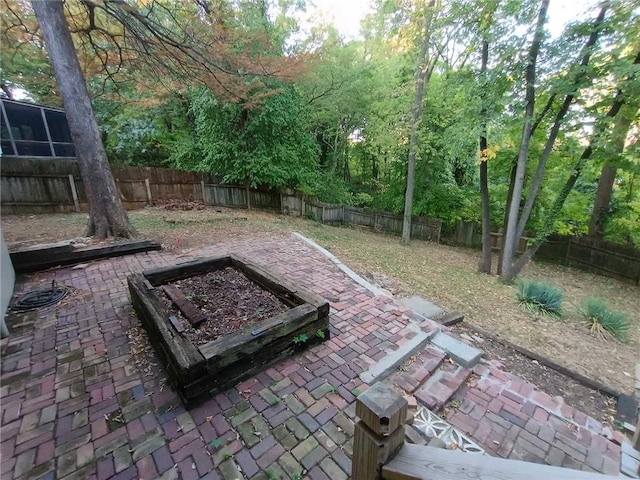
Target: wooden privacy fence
30	185
469	234
592	255
380	452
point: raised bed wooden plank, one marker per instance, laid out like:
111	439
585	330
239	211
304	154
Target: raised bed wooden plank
59	255
240	361
226	350
265	279
188	309
172	273
182	360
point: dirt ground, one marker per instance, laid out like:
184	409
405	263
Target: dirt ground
443	274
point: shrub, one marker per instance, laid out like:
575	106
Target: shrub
603	322
540	297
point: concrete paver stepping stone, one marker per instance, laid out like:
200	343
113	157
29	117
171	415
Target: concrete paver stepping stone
421	306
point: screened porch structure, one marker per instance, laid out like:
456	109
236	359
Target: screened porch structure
30	130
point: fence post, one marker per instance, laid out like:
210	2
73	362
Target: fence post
302	207
204	195
248	191
322	221
379	432
147	185
566	257
74	193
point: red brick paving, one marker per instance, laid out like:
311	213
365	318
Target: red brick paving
74	404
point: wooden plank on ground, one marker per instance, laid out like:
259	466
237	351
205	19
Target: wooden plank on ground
188	309
43	257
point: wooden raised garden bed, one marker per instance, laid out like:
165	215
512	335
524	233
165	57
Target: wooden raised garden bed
199	369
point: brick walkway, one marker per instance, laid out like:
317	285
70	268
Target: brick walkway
75	405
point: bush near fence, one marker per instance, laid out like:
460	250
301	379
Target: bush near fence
32	185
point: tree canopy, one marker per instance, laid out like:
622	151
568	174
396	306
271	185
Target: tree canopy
547	120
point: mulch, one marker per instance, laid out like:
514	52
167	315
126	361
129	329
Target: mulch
230	301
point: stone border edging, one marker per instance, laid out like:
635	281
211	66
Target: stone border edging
350	273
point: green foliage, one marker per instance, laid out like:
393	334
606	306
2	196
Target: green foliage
265	143
540	297
363	199
300	339
216	443
134	141
320	334
336	123
603	322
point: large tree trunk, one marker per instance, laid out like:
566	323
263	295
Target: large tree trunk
509	239
485	264
421	74
600	212
602	201
107	216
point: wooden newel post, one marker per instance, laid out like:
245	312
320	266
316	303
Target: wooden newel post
379	432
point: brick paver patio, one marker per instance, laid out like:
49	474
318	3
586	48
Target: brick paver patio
74	404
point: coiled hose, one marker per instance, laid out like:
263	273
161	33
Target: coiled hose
40	298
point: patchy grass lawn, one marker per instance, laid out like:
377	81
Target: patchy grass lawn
443	274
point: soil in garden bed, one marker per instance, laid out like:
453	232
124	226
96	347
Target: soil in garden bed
598	405
230	301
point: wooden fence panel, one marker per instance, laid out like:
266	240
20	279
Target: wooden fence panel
132	190
359	217
390	223
425	231
265	199
190	191
333	214
603	258
42	190
226	195
314	211
291	204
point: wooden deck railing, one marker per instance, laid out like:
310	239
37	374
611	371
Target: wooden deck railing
379	450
